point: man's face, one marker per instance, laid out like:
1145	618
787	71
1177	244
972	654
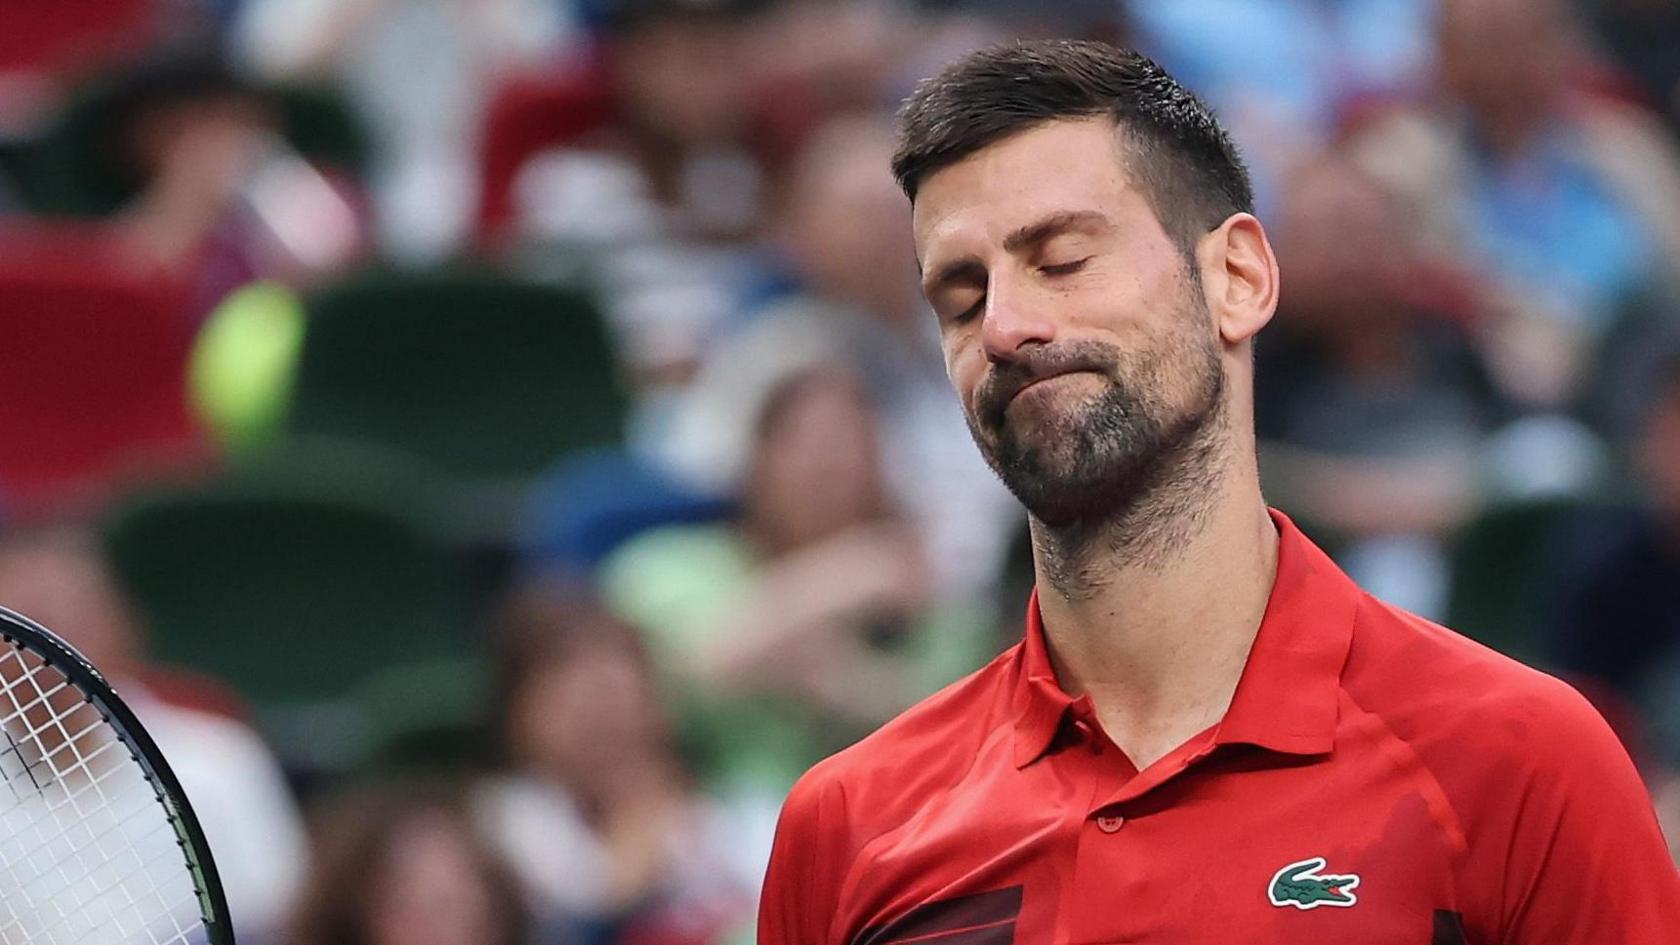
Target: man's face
1074	330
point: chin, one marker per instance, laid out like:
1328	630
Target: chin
1064	504
1059	487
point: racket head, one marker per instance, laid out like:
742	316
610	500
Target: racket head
76	771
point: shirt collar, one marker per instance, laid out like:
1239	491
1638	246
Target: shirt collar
1288	695
1039	699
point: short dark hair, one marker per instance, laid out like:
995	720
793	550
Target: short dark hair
1183	160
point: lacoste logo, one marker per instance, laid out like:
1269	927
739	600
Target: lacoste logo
1302	886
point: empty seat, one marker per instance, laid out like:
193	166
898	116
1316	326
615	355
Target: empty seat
485	378
297	582
92	366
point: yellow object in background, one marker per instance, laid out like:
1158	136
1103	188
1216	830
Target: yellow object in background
244	363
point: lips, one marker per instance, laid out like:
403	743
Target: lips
1010	381
1029	385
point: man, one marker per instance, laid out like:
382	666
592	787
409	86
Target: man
1209	734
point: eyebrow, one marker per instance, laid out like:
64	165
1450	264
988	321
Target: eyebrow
1029	235
1052	225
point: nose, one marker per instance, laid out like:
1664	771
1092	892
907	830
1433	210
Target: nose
1009	322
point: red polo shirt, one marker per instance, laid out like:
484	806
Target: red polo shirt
1377	780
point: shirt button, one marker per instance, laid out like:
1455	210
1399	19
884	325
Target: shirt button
1110	824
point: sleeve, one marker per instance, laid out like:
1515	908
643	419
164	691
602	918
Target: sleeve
1587	863
807	863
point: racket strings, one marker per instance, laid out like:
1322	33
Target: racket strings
133	904
66	846
15	745
84	765
93	780
83	848
46	841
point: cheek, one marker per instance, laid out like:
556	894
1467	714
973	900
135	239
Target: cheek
1126	301
965	364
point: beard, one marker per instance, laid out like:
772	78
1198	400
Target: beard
1146	432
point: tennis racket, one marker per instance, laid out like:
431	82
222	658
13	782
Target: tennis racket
97	843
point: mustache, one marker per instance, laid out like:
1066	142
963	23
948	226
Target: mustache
1034	364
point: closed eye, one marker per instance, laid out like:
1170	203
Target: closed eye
1063	269
970	312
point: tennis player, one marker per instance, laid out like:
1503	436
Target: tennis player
1209	734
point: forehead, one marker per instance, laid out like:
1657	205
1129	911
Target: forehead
1069	165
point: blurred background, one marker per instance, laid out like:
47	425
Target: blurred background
497	445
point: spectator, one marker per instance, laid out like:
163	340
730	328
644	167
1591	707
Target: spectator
1616	589
1284	74
57	577
795	629
399	864
186	161
594	810
1372	405
656	196
1618	612
844	231
423	119
1549	195
218	179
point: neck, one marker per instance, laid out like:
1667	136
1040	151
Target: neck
1153	615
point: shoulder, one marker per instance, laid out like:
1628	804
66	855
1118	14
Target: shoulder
867	790
1471	715
921	753
1536	782
1424	676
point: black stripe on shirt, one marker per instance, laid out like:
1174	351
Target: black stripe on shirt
986	918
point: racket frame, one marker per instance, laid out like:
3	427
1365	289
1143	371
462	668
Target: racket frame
15	627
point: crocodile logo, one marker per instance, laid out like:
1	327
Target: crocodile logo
1301	885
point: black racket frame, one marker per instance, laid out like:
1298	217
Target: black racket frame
15	627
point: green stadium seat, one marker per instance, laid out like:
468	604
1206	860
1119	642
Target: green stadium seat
297	582
486	379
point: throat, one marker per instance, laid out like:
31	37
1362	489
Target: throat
1165	687
1148	733
1160	648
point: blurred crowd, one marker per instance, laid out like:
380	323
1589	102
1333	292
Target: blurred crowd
497	445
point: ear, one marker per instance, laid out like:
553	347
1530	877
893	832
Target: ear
1239	277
